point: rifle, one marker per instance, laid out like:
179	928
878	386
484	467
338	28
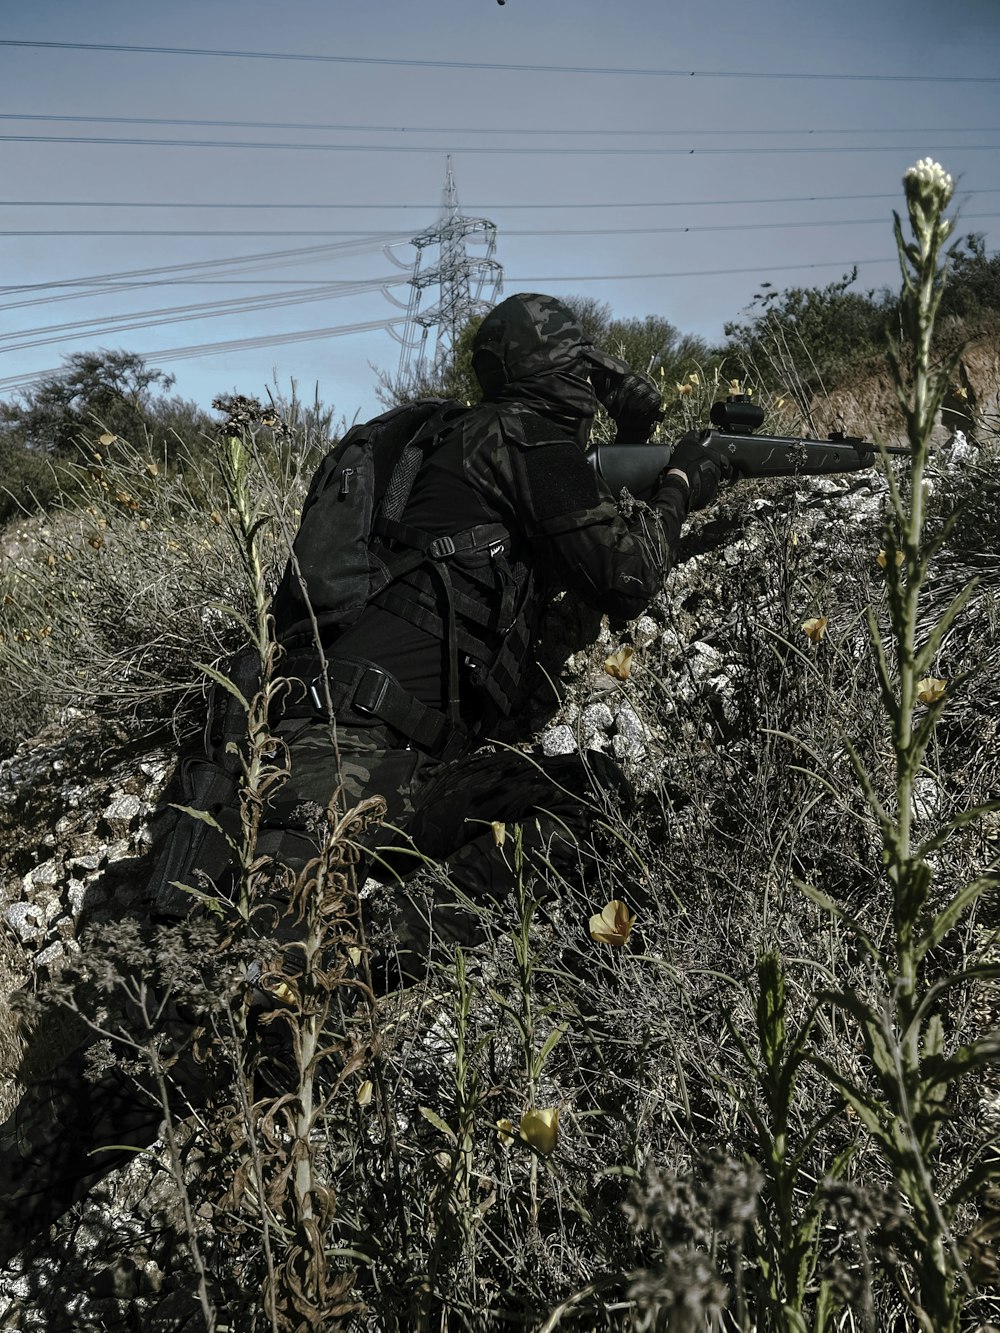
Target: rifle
735	442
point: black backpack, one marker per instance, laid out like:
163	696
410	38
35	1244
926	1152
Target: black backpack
369	472
352	547
334	569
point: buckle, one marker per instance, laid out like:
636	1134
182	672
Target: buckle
371	691
441	547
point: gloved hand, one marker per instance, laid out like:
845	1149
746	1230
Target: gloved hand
702	468
633	403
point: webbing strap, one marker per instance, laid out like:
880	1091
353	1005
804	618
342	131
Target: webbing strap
481	537
355	684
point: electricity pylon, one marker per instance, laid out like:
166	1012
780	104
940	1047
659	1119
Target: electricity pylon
467	284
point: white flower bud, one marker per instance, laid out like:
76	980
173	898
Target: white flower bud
928	184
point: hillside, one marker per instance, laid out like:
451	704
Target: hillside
736	1068
727	708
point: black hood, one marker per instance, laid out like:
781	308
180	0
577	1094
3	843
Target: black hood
530	349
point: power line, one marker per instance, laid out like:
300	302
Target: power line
261	259
512	231
107	289
14	382
315	57
263	145
381	236
182	314
482	208
532	130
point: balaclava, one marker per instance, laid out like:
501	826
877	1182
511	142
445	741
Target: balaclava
530	349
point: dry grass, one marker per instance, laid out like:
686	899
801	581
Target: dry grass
701	1136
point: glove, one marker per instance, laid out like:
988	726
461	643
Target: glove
703	468
632	402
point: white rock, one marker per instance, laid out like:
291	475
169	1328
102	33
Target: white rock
558	740
76	892
705	660
926	796
86	861
629	743
645	631
123	810
50	954
43	876
26	920
596	721
958	451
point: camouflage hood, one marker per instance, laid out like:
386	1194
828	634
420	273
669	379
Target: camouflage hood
530	349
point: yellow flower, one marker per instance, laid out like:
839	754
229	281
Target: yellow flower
355	955
364	1093
540	1128
735	387
106	438
505	1132
931	689
693	378
499	832
153	469
815	629
612	924
619	664
882	559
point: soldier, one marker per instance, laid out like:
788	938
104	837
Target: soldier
446	656
503	507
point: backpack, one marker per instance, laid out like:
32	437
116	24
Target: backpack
352	547
340	562
370	471
334	570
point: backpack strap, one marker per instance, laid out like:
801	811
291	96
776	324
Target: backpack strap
434	553
393	499
357	686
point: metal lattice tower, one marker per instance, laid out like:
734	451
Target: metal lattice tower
467	284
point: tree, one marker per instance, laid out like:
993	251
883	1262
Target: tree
95	392
100	392
803	339
973	288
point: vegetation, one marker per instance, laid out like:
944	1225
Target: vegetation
805	341
96	398
651	345
731	1075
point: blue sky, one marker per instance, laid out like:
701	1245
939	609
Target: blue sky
774	113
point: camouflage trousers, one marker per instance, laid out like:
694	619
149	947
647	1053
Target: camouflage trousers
444	852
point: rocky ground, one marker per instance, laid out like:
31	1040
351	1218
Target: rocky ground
76	801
